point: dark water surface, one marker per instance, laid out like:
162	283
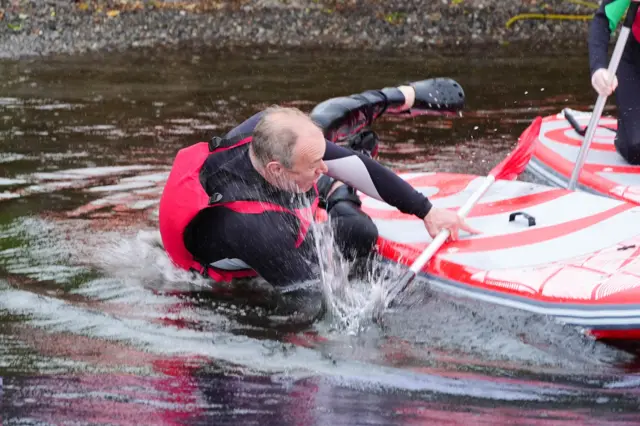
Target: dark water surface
85	338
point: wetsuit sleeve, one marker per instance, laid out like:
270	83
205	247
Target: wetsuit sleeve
344	116
375	180
598	41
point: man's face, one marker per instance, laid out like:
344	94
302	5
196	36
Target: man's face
308	164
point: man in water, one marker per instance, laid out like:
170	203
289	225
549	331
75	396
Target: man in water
627	140
246	201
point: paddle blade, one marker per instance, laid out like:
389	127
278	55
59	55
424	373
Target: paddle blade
400	287
517	160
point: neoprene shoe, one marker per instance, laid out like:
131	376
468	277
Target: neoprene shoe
438	94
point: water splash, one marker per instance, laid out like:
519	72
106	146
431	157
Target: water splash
141	261
351	301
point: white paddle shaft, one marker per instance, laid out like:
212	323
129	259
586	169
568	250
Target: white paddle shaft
442	236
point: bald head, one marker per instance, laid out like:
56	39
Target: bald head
288	144
276	136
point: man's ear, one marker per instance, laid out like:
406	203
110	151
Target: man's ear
275	168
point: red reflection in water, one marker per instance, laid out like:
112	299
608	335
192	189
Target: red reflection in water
418	413
168	396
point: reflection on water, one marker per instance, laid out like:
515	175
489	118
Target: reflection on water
96	325
181	391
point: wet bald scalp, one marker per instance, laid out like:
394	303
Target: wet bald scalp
276	136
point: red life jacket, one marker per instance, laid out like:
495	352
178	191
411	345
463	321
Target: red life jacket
184	197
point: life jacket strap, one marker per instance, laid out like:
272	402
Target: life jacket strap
219	143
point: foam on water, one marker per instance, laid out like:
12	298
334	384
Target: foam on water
89	172
142	262
9	157
11	182
58	316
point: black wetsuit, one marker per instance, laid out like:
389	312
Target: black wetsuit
267	241
628	92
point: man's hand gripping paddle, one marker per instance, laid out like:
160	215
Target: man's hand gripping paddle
508	169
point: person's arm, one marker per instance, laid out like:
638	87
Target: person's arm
598	40
375	180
